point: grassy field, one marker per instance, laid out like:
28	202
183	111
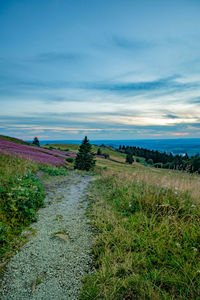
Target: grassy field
21	194
147	219
147	245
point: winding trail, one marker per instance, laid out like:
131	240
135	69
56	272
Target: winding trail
51	264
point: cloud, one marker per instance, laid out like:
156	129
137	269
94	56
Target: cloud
131	44
57	57
159	84
195	100
179	133
171	116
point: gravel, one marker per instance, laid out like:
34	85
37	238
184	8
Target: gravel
51	264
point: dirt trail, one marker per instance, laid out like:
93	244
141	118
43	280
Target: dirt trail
52	263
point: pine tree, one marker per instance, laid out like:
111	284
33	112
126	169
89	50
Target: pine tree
85	158
36	142
129	158
99	151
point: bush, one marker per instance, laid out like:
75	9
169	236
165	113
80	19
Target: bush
158	165
129	158
150	161
70	159
99	151
20	200
106	156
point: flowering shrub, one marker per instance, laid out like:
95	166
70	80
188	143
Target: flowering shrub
41	155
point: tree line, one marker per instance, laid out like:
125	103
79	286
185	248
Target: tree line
164	160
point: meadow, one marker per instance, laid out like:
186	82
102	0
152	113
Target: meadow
147	245
146	222
21	189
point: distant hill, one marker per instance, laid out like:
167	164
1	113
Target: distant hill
14	140
16	147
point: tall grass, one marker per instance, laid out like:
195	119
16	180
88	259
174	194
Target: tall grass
21	194
148	241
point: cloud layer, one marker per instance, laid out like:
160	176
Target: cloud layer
111	70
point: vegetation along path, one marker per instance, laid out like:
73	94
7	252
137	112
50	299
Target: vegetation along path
52	263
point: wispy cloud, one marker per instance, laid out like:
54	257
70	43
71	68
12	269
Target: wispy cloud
57	57
131	44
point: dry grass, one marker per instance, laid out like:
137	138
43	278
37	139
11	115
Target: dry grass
148	242
178	180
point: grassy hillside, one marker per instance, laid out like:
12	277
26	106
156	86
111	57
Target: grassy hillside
147	219
148	241
21	191
14	140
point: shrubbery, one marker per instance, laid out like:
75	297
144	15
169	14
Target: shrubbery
21	199
70	159
21	194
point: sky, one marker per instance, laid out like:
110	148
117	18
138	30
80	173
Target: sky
108	69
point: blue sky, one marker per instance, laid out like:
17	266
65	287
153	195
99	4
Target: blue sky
114	69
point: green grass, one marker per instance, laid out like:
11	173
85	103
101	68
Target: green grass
21	195
53	171
149	237
64	147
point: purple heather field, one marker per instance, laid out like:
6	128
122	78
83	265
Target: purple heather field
41	155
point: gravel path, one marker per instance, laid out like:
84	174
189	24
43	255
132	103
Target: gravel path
52	263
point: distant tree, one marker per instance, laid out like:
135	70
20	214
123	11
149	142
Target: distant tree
85	158
195	164
99	151
36	142
106	155
120	147
150	161
158	165
186	157
129	158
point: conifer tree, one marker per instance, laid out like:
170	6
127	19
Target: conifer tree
129	158
99	151
36	142
85	158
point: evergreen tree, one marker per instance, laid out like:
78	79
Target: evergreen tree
129	158
99	151
36	142
85	158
